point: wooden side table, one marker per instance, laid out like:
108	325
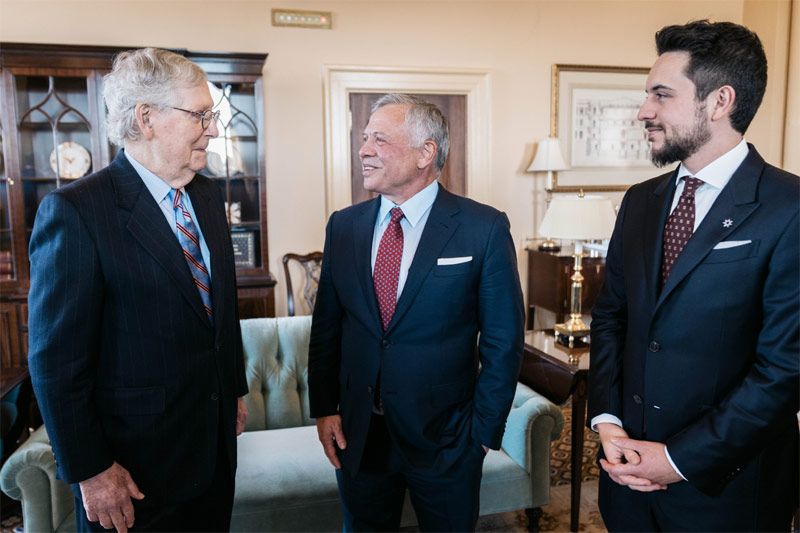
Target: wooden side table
549	282
560	373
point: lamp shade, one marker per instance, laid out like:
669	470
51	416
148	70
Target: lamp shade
548	156
579	218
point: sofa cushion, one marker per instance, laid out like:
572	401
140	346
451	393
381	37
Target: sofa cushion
284	482
276	363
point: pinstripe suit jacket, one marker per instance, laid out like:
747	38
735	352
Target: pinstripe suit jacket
125	365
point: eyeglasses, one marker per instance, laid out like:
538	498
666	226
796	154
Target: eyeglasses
206	117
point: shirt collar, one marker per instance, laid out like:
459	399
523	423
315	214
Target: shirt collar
719	172
158	188
414	207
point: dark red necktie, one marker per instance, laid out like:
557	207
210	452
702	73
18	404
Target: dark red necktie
680	226
386	274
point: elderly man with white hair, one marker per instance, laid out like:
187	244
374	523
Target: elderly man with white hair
135	347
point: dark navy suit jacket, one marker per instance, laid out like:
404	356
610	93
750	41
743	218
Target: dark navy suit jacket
125	364
435	401
708	364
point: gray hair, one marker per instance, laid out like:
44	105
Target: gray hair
144	76
424	121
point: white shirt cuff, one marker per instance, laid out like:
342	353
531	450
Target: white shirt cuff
672	464
604	418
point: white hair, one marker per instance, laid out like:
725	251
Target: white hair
149	76
424	121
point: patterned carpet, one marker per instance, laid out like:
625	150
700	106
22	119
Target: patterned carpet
560	467
556	514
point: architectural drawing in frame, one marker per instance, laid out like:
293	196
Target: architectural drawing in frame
593	113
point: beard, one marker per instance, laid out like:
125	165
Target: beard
684	143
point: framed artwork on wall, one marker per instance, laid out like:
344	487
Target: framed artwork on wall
593	113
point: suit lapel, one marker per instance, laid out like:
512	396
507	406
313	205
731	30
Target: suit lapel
438	230
735	204
148	226
363	230
214	236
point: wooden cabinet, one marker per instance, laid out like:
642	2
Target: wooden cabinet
549	282
52	131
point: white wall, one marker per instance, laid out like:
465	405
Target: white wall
517	41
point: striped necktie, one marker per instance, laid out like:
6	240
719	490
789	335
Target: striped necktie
189	239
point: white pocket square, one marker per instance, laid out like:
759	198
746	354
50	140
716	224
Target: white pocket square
453	260
730	244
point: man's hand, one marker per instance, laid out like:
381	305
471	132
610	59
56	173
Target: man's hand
615	455
653	464
107	498
329	429
241	416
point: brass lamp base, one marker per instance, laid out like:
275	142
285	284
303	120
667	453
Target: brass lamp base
572	331
549	245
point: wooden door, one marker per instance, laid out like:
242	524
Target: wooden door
453	107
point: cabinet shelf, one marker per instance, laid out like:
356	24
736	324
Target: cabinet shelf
65	127
50	179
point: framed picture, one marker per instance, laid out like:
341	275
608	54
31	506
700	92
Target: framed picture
244	248
593	114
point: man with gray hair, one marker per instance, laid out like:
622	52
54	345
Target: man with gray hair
135	347
409	280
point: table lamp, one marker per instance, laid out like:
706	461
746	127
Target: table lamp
548	159
578	218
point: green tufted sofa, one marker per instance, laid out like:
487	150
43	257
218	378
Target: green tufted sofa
284	482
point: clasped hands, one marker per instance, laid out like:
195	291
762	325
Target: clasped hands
640	465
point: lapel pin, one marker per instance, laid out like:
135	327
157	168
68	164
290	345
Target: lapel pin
727	223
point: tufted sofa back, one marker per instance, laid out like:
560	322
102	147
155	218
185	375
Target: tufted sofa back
276	362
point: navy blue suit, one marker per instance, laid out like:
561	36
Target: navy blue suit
438	407
125	364
707	365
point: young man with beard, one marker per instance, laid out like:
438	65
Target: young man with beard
694	377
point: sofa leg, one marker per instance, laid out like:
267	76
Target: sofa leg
533	518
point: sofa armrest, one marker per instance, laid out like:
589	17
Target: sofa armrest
534	421
29	475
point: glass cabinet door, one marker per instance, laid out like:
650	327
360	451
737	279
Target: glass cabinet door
233	160
6	234
55	135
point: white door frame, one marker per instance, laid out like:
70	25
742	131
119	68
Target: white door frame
340	81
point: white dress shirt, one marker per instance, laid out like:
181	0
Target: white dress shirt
159	189
415	210
715	176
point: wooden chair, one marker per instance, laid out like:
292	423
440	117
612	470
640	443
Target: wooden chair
311	263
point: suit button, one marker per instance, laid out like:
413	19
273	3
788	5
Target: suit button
637	399
654	346
385	343
214	396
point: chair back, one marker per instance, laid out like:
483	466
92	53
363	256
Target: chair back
276	364
311	265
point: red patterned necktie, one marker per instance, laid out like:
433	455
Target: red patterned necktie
680	226
386	274
189	239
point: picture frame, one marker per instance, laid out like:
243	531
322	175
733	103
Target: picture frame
244	248
593	114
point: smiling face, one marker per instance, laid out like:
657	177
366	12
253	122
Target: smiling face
390	165
677	124
178	144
